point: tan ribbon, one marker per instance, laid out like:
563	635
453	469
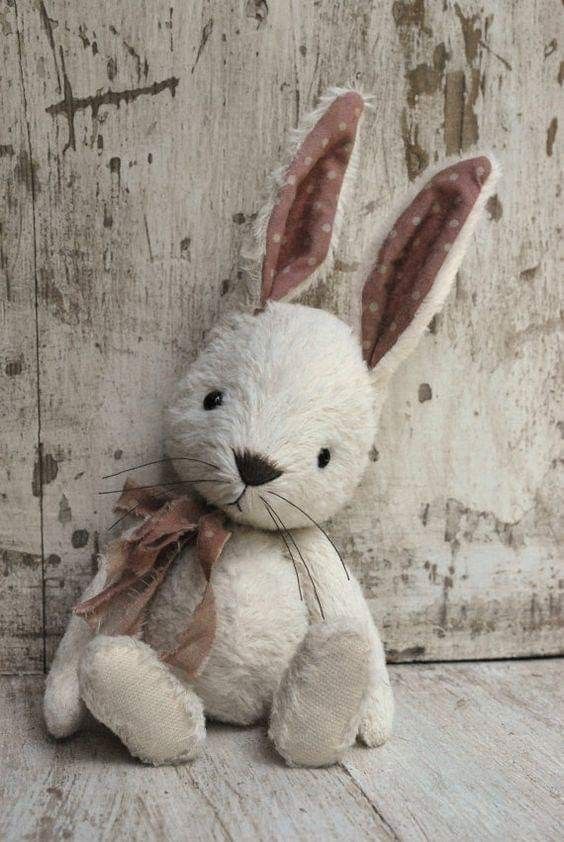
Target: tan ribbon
138	563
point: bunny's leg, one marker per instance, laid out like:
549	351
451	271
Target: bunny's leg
317	709
63	708
128	688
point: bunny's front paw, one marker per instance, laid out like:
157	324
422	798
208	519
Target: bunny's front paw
376	724
63	708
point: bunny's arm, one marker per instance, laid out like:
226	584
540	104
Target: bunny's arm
342	596
375	725
336	687
63	708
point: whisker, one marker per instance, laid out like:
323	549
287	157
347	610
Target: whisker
158	461
287	547
272	511
162	484
315	523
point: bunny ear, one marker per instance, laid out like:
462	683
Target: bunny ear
417	261
297	230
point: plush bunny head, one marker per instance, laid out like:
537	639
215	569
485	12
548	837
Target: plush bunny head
274	421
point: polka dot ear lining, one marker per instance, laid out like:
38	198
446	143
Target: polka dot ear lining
302	224
418	259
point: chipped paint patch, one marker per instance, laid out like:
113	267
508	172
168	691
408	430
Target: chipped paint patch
494	208
44	472
79	538
551	135
65	512
471	33
12	560
461	123
416	158
257	9
14	367
343	266
529	274
426	79
410	15
465	524
424	393
25	172
185	248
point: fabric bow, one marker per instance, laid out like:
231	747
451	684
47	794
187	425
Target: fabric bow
138	562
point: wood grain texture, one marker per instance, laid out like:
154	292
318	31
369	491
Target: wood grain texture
152	128
21	613
89	787
476	755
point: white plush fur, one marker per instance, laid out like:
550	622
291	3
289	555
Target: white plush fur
63	708
294	382
262	623
129	689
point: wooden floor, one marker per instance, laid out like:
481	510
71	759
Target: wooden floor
477	755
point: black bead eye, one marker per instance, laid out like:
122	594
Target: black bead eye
323	457
213	399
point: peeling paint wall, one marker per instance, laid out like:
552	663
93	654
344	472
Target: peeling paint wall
135	141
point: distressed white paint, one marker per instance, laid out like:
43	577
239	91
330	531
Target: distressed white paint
21	625
131	267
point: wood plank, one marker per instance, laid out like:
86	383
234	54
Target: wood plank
117	323
141	210
477	754
88	788
21	615
455	530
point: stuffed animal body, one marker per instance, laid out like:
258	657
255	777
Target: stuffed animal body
272	426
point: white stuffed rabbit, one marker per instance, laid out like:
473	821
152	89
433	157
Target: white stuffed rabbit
271	427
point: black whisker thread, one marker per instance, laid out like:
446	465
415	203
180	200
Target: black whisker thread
287	547
276	517
159	461
315	523
162	485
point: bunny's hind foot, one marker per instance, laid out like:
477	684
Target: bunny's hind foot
127	687
317	708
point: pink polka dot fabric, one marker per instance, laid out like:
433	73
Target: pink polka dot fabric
414	252
301	224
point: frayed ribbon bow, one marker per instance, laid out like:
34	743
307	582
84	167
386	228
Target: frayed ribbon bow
137	564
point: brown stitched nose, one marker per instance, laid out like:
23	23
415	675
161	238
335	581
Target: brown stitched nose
254	469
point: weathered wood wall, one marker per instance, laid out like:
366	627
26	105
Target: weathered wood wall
135	140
